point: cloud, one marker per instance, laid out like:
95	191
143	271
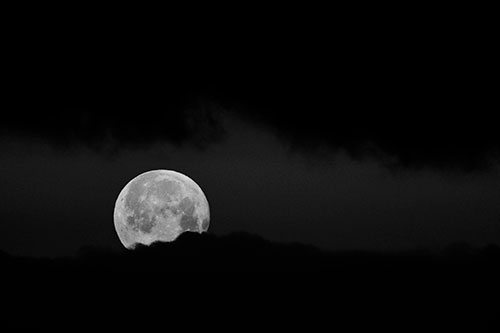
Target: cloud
412	119
117	126
420	103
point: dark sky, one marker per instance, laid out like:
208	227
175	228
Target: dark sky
344	137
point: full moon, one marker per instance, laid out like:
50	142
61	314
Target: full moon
159	205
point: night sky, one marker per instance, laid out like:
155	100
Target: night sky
371	139
350	158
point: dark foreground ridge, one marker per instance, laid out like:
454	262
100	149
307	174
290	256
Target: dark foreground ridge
247	252
244	280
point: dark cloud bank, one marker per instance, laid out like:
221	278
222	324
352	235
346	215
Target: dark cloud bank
417	97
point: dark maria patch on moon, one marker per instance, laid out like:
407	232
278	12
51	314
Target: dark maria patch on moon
141	222
205	224
188	221
187	206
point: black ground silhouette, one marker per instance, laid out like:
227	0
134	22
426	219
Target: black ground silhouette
204	278
241	251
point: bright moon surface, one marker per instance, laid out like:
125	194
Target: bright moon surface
159	205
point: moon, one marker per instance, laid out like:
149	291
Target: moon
159	205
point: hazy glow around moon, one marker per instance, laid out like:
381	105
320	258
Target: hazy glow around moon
159	205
